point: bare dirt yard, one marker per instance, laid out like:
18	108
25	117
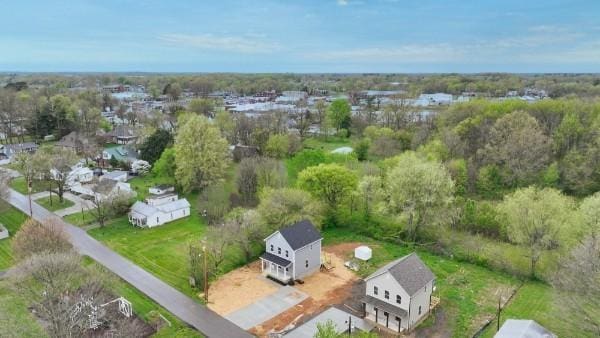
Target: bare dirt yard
239	288
337	286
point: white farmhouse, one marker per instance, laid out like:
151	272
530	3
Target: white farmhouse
398	296
158	210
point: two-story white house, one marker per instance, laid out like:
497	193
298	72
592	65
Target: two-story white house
292	253
398	295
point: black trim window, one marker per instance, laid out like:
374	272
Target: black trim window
386	294
306	265
398	299
272	248
419	309
375	290
287	253
279	251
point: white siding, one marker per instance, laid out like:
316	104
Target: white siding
385	282
422	298
310	253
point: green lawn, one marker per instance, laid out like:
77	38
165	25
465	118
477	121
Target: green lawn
535	300
15	318
80	219
53	204
20	185
467	291
12	219
326	144
162	251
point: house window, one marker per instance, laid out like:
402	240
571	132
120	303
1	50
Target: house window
287	254
386	294
306	264
279	251
398	299
375	290
157	220
425	288
419	309
287	269
272	248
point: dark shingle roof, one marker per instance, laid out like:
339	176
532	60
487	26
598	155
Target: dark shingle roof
385	306
275	259
409	271
300	234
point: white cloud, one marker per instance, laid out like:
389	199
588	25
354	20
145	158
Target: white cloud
407	53
342	2
252	43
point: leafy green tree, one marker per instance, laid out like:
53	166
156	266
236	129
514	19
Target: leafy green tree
590	213
165	166
154	145
537	219
226	124
327	330
331	183
338	113
204	107
281	207
568	134
277	146
489	181
370	192
214	203
201	154
420	190
361	149
519	146
459	174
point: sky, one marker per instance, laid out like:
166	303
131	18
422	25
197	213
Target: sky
321	36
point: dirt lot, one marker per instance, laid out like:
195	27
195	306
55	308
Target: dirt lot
325	288
239	288
245	286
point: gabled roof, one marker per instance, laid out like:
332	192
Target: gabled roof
143	209
300	234
409	271
174	206
514	328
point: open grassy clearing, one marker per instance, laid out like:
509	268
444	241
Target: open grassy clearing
326	144
20	185
81	218
163	250
12	219
53	203
536	300
15	318
468	292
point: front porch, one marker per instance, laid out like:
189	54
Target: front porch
276	267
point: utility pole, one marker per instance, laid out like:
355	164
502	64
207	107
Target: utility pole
499	311
205	273
29	195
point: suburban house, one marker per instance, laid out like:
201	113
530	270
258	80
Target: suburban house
122	134
398	295
79	174
115	175
8	151
292	253
78	142
102	189
158	209
521	328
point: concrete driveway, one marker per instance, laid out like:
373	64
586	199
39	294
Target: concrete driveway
267	307
338	317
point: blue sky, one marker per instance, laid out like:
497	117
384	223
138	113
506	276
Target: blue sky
300	36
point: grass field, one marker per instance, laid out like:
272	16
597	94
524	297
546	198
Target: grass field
15	319
535	300
53	204
12	219
20	185
326	144
162	251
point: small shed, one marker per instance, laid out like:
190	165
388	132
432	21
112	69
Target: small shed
363	253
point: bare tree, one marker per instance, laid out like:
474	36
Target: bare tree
37	238
578	279
62	161
246	231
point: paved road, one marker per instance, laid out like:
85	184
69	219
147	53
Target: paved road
197	315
